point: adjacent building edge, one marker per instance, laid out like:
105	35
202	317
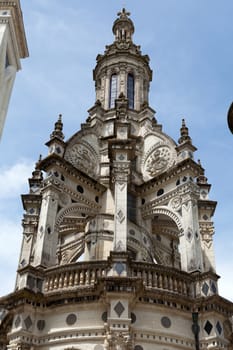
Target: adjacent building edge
13	47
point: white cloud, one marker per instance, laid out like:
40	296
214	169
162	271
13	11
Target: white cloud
13	179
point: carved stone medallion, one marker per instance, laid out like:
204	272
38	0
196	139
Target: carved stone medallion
158	159
176	203
83	157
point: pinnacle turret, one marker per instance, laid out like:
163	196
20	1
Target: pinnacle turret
184	133
58	127
185	148
202	179
37	177
56	142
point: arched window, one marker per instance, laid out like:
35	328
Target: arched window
113	91
130	90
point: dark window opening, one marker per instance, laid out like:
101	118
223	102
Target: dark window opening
131	207
130	90
80	189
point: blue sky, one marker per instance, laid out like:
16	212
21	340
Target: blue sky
190	47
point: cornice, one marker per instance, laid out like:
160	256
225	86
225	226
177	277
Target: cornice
177	169
208	205
114	52
55	160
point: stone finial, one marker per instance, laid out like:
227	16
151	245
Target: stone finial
37	174
184	133
201	179
123	27
123	13
58	126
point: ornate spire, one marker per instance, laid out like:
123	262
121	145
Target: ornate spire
201	179
37	177
123	27
58	126
184	133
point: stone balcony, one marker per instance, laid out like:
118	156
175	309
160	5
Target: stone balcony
153	277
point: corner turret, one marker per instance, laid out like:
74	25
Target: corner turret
185	148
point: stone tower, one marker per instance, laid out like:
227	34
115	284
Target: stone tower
117	250
13	47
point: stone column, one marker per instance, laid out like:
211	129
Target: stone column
123	80
120	173
190	243
46	243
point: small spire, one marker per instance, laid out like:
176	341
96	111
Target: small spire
37	173
201	179
184	133
39	160
58	126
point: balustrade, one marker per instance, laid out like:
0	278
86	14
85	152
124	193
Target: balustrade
154	277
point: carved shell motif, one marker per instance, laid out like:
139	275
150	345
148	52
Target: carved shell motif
83	157
158	160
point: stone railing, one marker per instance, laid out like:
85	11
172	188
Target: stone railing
74	276
86	275
163	278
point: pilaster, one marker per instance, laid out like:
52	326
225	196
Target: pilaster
190	243
120	175
46	242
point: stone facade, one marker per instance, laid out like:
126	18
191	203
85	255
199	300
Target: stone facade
13	47
117	248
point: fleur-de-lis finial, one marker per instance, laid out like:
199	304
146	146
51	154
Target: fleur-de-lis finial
123	13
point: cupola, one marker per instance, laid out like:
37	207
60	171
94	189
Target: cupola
122	69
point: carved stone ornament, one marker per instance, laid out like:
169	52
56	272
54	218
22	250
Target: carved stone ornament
189	234
83	157
159	159
118	341
121	171
176	203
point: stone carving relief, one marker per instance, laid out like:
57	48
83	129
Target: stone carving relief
175	203
118	341
207	231
189	234
121	171
83	156
158	159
